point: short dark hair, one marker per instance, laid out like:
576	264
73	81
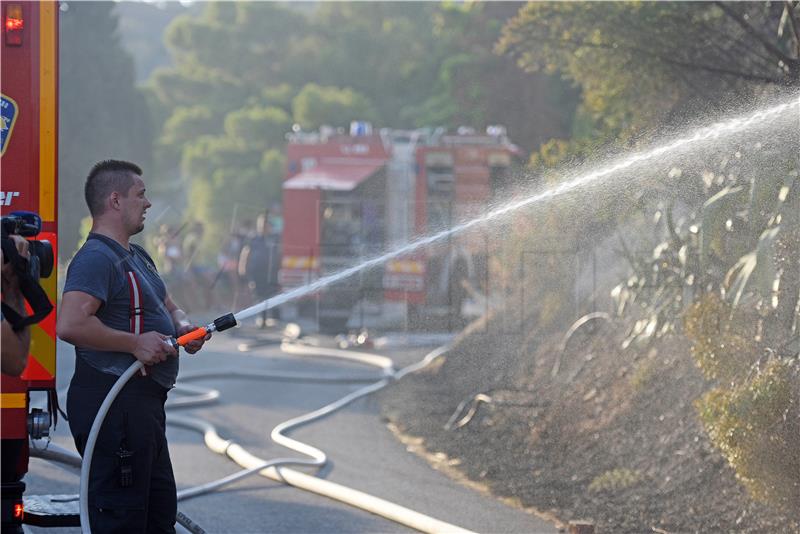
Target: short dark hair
106	177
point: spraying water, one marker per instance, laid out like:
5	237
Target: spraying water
715	131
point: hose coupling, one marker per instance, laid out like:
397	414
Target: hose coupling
172	342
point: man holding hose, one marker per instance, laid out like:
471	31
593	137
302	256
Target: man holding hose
115	309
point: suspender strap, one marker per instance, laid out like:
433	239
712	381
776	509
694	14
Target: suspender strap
135	310
135	293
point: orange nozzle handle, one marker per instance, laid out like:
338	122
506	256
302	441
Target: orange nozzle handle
198	333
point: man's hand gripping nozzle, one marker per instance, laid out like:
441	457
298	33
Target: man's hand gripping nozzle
219	324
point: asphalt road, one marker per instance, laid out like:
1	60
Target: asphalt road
362	452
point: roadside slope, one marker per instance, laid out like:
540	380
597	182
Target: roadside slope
613	437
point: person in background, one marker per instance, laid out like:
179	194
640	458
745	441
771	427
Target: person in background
197	276
228	264
259	264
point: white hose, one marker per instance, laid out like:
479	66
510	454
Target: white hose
56	453
359	357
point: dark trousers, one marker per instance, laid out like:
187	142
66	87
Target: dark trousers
136	422
265	290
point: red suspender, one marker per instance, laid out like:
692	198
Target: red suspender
135	307
135	293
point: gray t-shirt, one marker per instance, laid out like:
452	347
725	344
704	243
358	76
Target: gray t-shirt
99	271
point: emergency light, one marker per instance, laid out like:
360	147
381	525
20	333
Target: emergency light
14	24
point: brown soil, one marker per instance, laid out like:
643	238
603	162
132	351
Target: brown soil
613	437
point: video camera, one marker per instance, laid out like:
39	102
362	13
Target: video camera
27	224
40	264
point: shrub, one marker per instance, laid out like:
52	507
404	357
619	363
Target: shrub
724	343
756	425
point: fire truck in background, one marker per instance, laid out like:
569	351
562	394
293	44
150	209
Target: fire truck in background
349	197
333	213
29	86
456	177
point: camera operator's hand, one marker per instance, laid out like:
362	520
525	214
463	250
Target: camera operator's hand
15	345
152	348
10	282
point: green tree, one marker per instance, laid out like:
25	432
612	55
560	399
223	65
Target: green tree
279	96
253	44
226	173
186	123
102	114
477	87
384	50
258	126
314	106
639	64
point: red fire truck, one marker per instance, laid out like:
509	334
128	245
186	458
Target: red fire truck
29	86
349	197
333	212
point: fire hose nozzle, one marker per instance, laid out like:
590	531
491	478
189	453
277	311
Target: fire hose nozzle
197	333
221	323
224	322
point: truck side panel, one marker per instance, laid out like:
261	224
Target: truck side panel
301	237
29	86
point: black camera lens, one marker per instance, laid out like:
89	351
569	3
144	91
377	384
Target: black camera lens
43	252
28	224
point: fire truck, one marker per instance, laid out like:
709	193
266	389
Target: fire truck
350	197
29	86
333	211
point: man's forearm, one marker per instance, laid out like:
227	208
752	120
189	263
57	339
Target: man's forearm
179	318
91	333
13	298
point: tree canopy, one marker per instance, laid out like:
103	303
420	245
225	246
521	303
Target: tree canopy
637	63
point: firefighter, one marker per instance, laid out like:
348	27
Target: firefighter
115	309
